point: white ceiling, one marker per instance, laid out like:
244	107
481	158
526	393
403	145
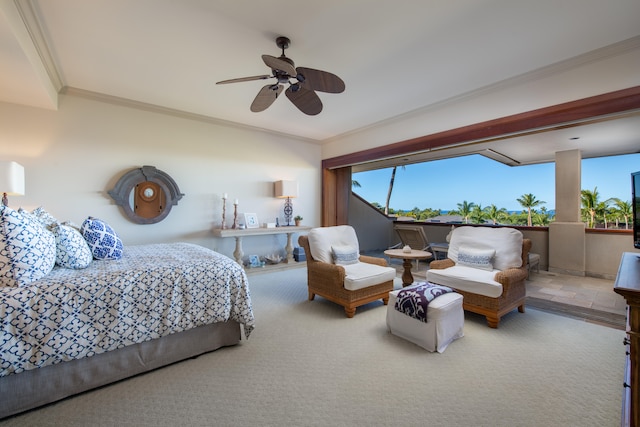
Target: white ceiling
395	57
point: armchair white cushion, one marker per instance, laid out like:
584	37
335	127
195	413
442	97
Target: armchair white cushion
362	275
323	239
507	243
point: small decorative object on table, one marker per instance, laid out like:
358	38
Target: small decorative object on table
254	261
224	209
235	214
273	259
298	254
251	220
297	220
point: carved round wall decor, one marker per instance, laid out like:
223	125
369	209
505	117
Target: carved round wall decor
146	195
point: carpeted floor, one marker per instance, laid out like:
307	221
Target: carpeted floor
306	364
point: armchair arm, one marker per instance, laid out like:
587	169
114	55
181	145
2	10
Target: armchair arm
441	264
326	272
512	279
510	276
373	260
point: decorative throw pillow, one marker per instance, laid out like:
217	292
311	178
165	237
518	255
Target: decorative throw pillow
27	249
102	239
344	255
476	258
72	250
45	218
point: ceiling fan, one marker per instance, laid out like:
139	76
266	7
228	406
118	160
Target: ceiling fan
303	82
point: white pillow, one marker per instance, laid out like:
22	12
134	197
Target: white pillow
27	249
476	257
44	217
72	250
344	255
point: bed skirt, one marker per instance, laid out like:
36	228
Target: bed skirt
37	387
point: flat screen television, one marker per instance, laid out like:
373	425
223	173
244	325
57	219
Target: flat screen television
635	201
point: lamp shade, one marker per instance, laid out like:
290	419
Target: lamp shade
11	178
286	189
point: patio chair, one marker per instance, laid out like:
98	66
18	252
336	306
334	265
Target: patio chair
414	237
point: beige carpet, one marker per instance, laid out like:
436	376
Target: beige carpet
306	364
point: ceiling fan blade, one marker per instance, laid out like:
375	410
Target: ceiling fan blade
244	79
265	97
278	64
321	80
306	100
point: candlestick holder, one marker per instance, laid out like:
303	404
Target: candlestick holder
224	210
235	216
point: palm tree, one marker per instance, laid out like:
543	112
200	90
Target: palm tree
622	209
529	201
464	210
542	218
391	181
602	211
478	214
589	204
495	214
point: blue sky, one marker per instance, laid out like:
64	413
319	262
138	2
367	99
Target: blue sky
442	184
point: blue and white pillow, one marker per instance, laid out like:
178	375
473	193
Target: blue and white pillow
344	255
27	249
102	239
476	257
72	250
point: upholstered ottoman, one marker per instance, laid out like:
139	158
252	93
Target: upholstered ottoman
445	321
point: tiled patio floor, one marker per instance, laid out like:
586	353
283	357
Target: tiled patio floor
586	292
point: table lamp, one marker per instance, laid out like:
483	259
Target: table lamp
11	180
287	190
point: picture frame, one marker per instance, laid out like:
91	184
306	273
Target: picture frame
251	220
254	261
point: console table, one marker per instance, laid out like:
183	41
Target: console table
627	284
239	234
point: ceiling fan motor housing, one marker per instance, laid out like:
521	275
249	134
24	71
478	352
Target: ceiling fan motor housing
283	42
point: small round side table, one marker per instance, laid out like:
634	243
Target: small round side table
407	257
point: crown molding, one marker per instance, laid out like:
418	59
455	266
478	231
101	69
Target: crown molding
28	16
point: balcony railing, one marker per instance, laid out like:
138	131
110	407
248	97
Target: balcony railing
603	247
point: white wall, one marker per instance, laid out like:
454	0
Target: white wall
73	156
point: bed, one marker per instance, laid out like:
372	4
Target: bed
77	329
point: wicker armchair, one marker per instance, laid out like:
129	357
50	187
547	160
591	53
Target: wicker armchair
327	278
512	280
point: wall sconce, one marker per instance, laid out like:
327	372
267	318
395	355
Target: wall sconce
11	180
287	190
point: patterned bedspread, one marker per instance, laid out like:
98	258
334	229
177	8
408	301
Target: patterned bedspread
152	291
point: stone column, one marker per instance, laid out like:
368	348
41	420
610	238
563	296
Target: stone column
567	242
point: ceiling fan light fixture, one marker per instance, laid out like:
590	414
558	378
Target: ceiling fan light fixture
301	93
